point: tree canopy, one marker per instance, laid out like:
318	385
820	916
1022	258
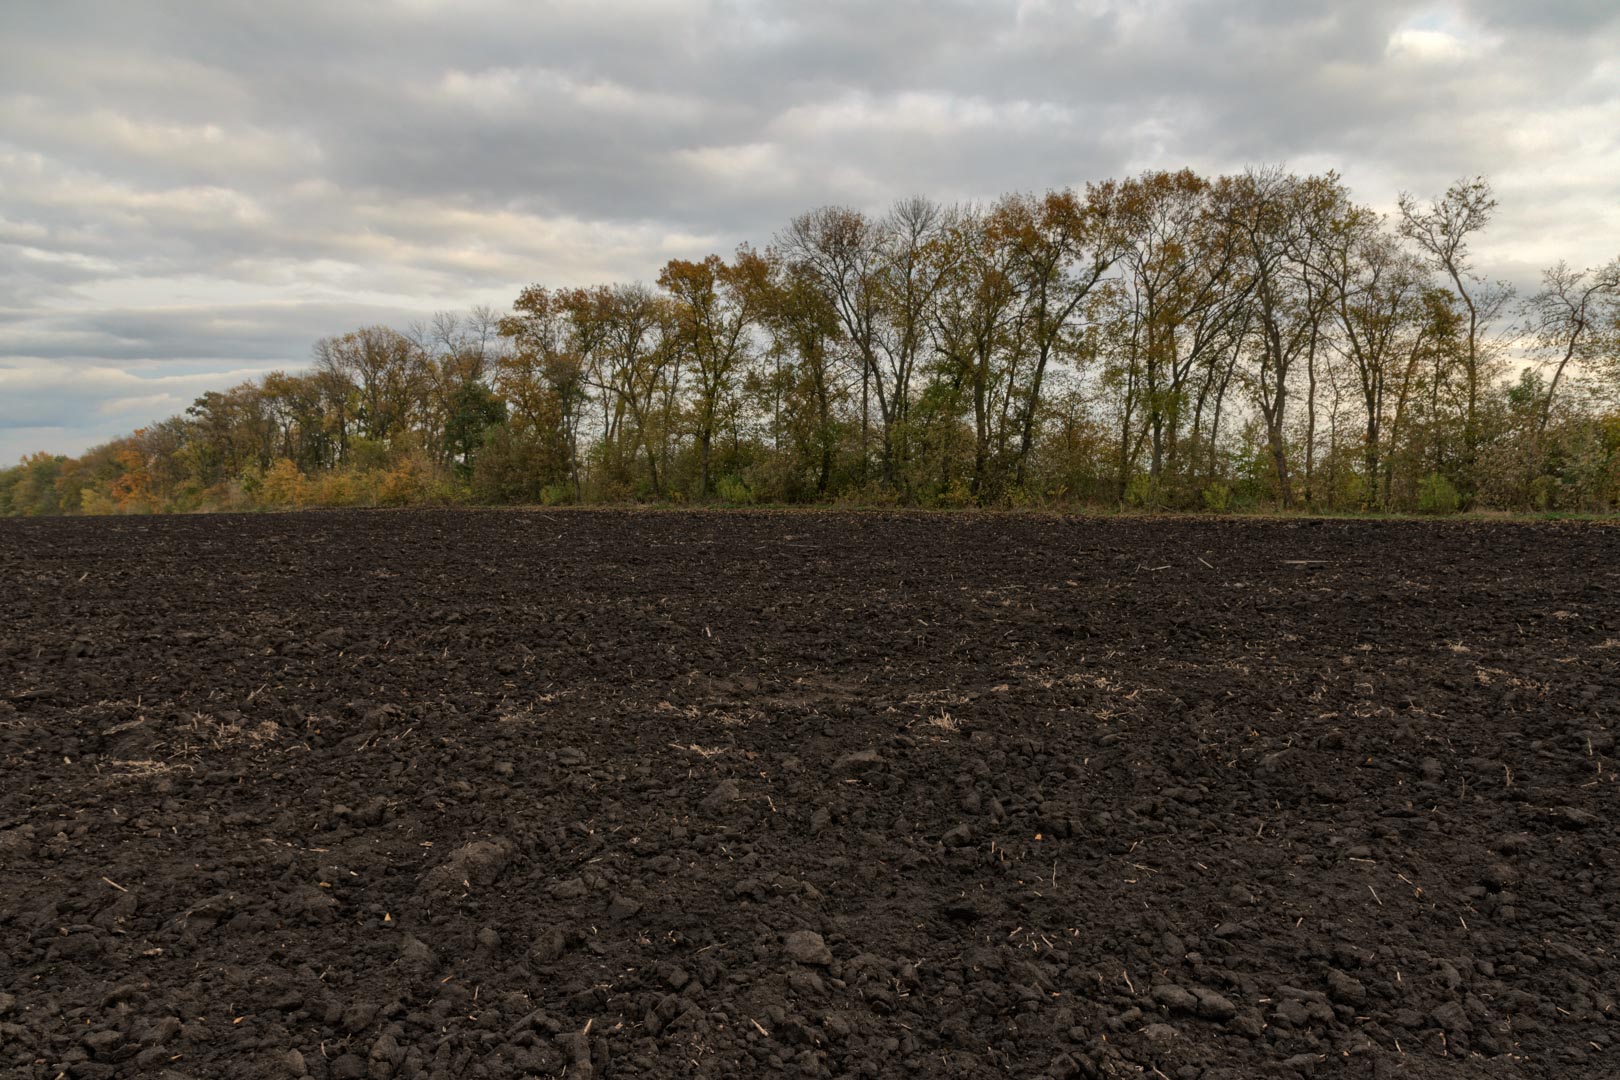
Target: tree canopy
1168	341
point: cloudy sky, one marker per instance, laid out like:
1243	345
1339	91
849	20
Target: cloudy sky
192	192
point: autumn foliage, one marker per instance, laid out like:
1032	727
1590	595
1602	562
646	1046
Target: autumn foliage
1168	341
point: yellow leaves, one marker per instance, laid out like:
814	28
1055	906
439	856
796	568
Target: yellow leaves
691	281
284	485
406	484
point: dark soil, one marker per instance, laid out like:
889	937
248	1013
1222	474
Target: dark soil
505	794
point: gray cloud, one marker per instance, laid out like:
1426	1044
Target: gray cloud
188	192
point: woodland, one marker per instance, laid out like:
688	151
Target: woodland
1249	342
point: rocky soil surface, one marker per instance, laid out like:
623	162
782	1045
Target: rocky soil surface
609	794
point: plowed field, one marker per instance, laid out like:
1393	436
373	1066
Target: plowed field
505	794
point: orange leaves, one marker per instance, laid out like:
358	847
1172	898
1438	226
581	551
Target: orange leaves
131	490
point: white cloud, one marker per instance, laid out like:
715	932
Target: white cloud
172	145
1427	46
914	114
510	89
752	163
44	399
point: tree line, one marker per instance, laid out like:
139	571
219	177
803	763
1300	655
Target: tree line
1169	341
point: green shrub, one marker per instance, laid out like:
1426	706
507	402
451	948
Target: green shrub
1217	498
557	494
732	489
1437	495
1143	492
367	455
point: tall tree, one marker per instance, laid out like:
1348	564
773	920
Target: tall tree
715	304
840	249
806	337
542	375
1572	320
626	335
1177	299
977	325
386	369
1377	294
1443	231
1272	215
1061	247
915	260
